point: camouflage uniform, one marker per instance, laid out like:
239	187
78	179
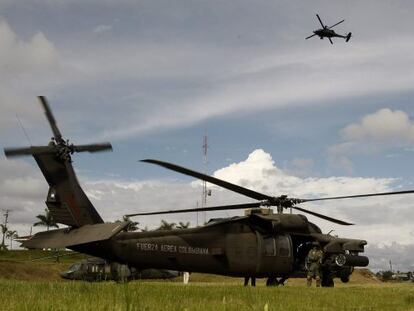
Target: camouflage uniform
314	261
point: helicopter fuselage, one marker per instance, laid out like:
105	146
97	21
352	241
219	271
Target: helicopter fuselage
241	247
327	33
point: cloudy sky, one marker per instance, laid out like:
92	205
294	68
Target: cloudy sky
283	115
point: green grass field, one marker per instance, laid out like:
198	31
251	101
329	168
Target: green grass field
140	295
26	285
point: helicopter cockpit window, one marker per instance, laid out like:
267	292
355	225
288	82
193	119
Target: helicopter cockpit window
283	246
95	268
269	246
74	267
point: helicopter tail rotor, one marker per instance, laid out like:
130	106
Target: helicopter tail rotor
57	145
56	132
92	147
348	37
66	201
17	152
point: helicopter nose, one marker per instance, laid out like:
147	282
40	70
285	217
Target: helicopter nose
64	275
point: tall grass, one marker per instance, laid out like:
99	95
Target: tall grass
137	295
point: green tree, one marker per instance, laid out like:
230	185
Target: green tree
46	220
11	235
387	275
166	225
4	230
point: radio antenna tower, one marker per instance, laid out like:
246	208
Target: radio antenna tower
205	162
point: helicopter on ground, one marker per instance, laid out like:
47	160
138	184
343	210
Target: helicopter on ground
260	244
327	32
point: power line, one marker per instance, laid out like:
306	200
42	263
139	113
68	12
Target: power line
24	131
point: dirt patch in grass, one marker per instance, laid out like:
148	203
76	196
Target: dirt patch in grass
29	271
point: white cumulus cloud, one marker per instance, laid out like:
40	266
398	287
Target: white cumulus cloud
385	125
19	56
260	173
381	130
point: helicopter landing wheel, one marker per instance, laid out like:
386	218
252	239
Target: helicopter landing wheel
327	281
273	281
345	279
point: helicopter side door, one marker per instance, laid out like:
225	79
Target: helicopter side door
276	256
242	252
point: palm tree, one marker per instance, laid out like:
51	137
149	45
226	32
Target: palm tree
166	225
46	220
11	235
182	225
133	226
4	230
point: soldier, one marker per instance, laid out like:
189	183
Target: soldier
314	261
247	278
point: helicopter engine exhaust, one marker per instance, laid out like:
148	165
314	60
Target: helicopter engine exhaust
351	260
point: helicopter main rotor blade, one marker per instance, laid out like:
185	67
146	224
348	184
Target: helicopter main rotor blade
236	206
282	201
16	152
336	24
225	184
93	147
320	21
359	196
337	221
201	209
50	118
310	36
330	40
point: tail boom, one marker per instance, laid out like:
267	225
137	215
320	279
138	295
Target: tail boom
66	201
65	238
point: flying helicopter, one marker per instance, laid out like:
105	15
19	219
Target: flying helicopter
260	244
327	32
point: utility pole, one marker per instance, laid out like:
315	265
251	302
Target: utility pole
4	229
6	217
